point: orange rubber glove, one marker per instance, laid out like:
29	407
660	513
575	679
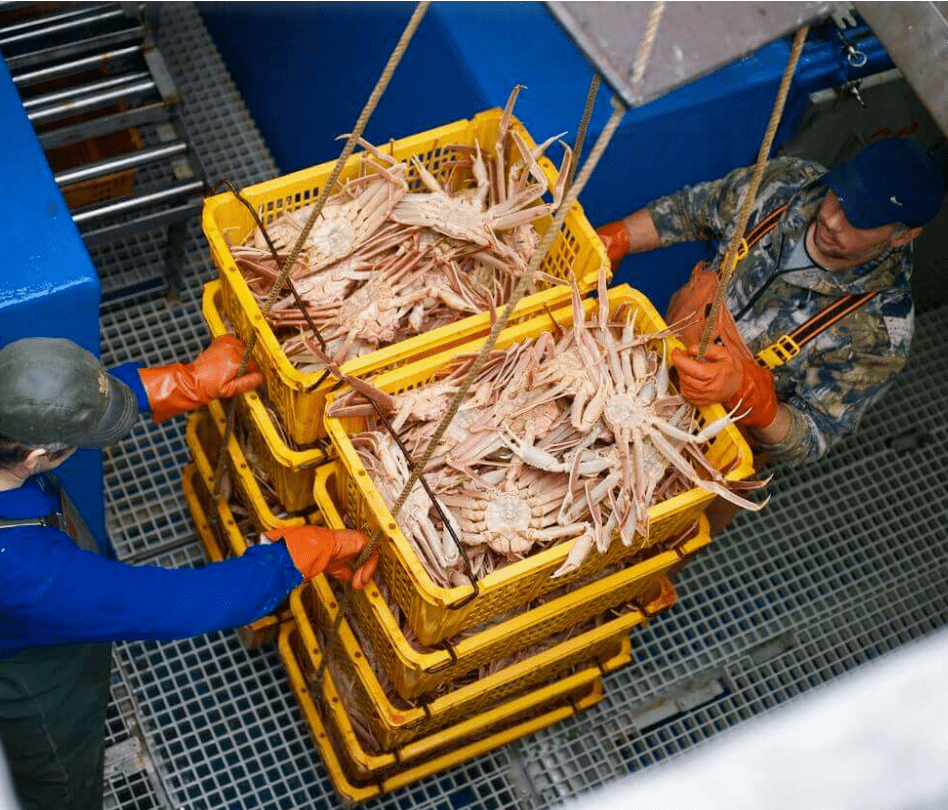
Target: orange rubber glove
689	308
616	239
180	387
728	374
315	549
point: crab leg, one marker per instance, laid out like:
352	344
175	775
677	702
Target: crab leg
500	144
676	459
580	550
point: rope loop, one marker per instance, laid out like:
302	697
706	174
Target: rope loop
732	256
324	193
526	278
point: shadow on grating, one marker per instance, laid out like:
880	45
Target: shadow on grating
131	780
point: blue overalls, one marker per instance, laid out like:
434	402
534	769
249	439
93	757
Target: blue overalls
53	700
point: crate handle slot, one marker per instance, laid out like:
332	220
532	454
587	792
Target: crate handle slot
448	647
425	718
466	600
649	608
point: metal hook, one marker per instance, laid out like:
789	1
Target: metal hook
854	56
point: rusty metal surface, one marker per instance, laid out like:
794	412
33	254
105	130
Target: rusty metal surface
693	39
916	37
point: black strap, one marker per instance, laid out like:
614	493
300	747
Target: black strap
765	226
829	315
54	520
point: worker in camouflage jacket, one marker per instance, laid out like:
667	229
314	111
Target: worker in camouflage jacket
825	235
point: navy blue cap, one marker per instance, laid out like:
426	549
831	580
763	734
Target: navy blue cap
895	180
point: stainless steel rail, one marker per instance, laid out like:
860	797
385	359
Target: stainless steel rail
75	66
116	164
52	19
125	93
78	47
129	86
62	27
49	99
137	202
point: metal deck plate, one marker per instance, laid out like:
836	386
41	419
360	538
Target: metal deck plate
844	565
916	36
693	40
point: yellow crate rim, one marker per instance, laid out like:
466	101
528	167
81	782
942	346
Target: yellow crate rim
411	658
355	793
549	558
282	452
283	189
394	719
240	466
367	764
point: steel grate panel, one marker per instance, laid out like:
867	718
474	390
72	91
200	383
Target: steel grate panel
840	568
130	266
143	498
131	780
128	783
143	472
814	655
229	730
772	571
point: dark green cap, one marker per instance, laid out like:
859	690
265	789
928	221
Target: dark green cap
52	390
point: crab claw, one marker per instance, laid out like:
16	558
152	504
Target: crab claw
577	554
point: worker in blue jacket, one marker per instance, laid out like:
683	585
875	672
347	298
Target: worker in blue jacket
61	602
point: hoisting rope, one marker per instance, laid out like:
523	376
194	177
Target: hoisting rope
283	277
645	49
583	126
735	249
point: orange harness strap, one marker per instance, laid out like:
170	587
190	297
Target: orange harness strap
786	347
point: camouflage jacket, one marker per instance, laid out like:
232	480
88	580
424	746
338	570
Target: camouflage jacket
837	376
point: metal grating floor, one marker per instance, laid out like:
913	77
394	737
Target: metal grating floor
844	565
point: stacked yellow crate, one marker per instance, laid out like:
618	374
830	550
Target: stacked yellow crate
298	397
417	677
280	427
448	636
289	467
227	524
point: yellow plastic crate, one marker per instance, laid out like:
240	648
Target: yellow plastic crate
204	432
353	790
414	672
295	395
394	725
435	612
258	633
291	471
364	762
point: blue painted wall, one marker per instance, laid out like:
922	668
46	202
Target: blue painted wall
307	69
466	57
48	284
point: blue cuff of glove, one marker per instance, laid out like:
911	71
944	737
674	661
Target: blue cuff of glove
128	374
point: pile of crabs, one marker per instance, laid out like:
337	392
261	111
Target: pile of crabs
572	434
383	263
